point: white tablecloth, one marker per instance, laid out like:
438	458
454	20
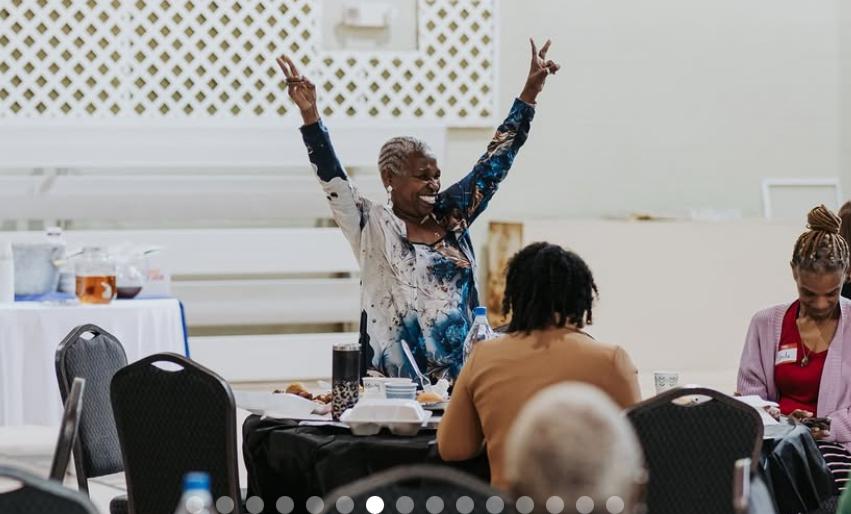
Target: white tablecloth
30	333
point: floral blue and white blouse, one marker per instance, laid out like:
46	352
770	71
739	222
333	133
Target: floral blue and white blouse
422	294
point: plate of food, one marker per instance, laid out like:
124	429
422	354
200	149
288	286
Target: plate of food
267	403
298	389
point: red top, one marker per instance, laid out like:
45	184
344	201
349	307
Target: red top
797	385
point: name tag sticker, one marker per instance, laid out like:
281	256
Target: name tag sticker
786	354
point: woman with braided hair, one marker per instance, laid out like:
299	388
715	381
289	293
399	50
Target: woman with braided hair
418	269
549	293
799	354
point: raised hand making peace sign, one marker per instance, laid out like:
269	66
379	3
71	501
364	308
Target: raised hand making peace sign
538	71
301	90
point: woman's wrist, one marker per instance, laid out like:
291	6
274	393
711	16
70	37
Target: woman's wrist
310	116
529	95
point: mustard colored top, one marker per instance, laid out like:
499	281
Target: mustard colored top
503	374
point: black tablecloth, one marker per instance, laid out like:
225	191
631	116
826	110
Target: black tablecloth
795	471
284	459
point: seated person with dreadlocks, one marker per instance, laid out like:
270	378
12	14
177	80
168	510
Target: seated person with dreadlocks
549	293
418	270
798	354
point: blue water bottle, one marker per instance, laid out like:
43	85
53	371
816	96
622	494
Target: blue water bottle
196	497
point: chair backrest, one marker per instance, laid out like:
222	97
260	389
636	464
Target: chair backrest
68	431
692	438
94	354
173	418
40	496
417	485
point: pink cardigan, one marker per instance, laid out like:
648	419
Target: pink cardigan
756	370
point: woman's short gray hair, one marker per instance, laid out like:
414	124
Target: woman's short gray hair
396	150
570	441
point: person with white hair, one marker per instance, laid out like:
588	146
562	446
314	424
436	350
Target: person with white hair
572	446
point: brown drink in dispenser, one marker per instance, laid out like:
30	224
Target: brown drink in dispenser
95	276
345	378
95	288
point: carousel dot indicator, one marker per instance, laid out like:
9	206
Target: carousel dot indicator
495	505
314	505
524	505
555	505
345	505
225	505
405	505
584	505
285	505
464	505
434	505
374	504
615	505
254	505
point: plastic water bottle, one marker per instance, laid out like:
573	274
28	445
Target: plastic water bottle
196	497
480	331
7	273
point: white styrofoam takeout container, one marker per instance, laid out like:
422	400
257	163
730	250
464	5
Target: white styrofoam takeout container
402	417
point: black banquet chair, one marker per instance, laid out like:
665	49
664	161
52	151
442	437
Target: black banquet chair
174	416
94	354
37	495
692	438
416	486
68	431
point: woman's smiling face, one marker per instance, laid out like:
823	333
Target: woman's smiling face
415	189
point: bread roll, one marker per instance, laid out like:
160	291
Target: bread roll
429	397
297	388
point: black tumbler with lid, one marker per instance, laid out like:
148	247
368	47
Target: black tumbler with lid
345	378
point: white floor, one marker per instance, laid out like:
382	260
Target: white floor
31	448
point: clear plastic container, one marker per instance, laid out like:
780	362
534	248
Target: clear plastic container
130	276
67	283
95	276
36	272
7	273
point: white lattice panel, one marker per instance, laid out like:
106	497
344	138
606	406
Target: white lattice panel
196	59
61	58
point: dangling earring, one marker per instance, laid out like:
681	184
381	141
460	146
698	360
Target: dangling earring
390	196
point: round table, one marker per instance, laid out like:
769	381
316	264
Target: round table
285	459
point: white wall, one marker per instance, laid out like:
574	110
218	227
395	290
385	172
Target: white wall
664	105
845	86
680	295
